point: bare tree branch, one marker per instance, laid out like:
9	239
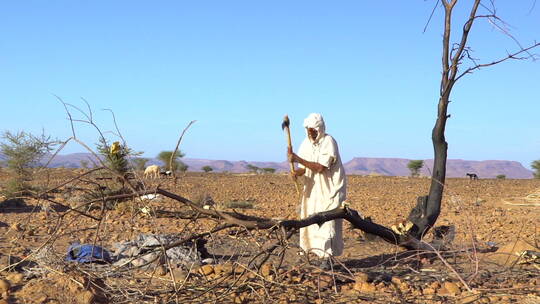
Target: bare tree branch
512	56
178	145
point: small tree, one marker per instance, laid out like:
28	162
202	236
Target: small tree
177	165
415	166
115	156
23	152
140	163
207	169
535	165
253	169
501	176
182	167
269	170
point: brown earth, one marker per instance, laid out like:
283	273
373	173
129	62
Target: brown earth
370	270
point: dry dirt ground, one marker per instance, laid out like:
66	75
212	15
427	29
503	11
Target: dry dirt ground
479	266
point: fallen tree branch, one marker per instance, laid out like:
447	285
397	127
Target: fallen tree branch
409	241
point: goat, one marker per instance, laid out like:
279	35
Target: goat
166	173
472	175
152	171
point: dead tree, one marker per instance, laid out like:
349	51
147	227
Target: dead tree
424	215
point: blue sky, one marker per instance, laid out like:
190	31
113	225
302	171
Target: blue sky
238	66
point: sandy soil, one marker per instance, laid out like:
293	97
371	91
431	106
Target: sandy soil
370	270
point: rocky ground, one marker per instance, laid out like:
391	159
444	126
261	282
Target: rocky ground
491	218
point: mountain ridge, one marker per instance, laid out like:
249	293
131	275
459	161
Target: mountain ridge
356	166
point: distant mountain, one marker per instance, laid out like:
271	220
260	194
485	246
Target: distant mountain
72	160
231	166
358	166
454	167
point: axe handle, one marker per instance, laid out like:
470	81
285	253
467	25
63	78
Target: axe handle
289	143
291	164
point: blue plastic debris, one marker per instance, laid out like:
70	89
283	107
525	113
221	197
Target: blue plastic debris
87	253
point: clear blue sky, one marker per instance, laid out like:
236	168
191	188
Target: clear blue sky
238	66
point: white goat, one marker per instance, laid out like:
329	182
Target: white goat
152	171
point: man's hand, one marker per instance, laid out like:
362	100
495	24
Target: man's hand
292	157
297	172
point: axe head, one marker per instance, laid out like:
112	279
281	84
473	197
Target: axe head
285	123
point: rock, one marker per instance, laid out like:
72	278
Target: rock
229	268
361	277
506	255
73	287
364	287
296	279
4	286
218	269
348	289
325	281
239	299
404	287
15	278
179	274
138	262
484	300
266	270
416	292
162	270
453	288
206	270
448	289
85	297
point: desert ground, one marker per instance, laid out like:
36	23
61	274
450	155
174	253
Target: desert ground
492	221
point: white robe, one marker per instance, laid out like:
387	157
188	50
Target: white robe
322	191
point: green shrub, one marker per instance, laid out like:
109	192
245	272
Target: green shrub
535	165
23	151
115	156
253	169
415	166
269	170
177	165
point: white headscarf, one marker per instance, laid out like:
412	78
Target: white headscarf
315	121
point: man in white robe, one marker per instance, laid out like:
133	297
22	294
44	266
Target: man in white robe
324	187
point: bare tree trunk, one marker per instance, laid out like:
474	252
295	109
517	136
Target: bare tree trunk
427	210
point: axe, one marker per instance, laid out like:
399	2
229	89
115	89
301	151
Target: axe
285	127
